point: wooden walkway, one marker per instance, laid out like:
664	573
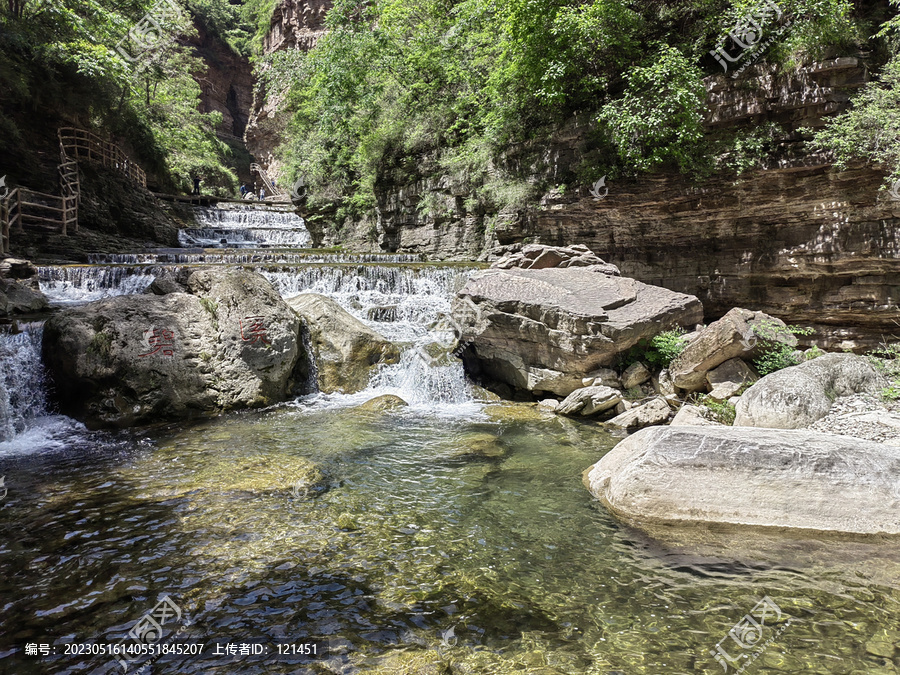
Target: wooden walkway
59	213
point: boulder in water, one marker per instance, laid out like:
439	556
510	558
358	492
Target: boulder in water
757	477
549	329
231	343
346	351
20	292
383	402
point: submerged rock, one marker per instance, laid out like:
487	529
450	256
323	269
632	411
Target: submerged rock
130	360
481	445
548	329
758	477
346	351
383	402
797	396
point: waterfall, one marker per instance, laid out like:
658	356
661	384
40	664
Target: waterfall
242	226
23	388
407	305
77	284
245	257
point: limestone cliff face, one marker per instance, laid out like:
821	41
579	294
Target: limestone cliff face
798	240
226	85
295	24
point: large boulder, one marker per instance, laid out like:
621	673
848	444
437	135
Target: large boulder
734	335
654	412
346	351
548	329
230	343
20	291
797	396
758	477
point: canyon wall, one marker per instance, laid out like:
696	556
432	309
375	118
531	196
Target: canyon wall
798	239
294	25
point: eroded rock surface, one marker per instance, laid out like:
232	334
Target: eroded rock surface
230	343
759	477
547	329
346	351
734	335
797	396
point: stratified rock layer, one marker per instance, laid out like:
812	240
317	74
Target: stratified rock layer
760	477
547	329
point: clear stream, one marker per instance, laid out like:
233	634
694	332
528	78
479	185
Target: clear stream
453	536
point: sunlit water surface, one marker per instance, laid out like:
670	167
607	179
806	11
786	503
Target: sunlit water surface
426	542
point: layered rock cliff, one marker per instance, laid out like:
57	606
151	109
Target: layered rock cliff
293	25
798	239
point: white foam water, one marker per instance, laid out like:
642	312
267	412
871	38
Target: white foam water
26	420
242	226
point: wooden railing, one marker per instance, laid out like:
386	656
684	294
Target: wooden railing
23	206
267	182
80	144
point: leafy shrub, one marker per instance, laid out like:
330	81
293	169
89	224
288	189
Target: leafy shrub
659	351
886	360
720	411
774	354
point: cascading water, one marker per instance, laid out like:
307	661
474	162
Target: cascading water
77	284
26	420
406	305
246	227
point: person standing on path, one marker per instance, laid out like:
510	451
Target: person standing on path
196	186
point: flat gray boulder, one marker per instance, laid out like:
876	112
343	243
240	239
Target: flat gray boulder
797	396
230	343
656	411
794	479
346	351
548	329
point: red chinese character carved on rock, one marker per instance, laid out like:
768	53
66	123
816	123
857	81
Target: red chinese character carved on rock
253	329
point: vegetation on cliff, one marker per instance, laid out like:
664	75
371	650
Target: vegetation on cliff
59	65
457	84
